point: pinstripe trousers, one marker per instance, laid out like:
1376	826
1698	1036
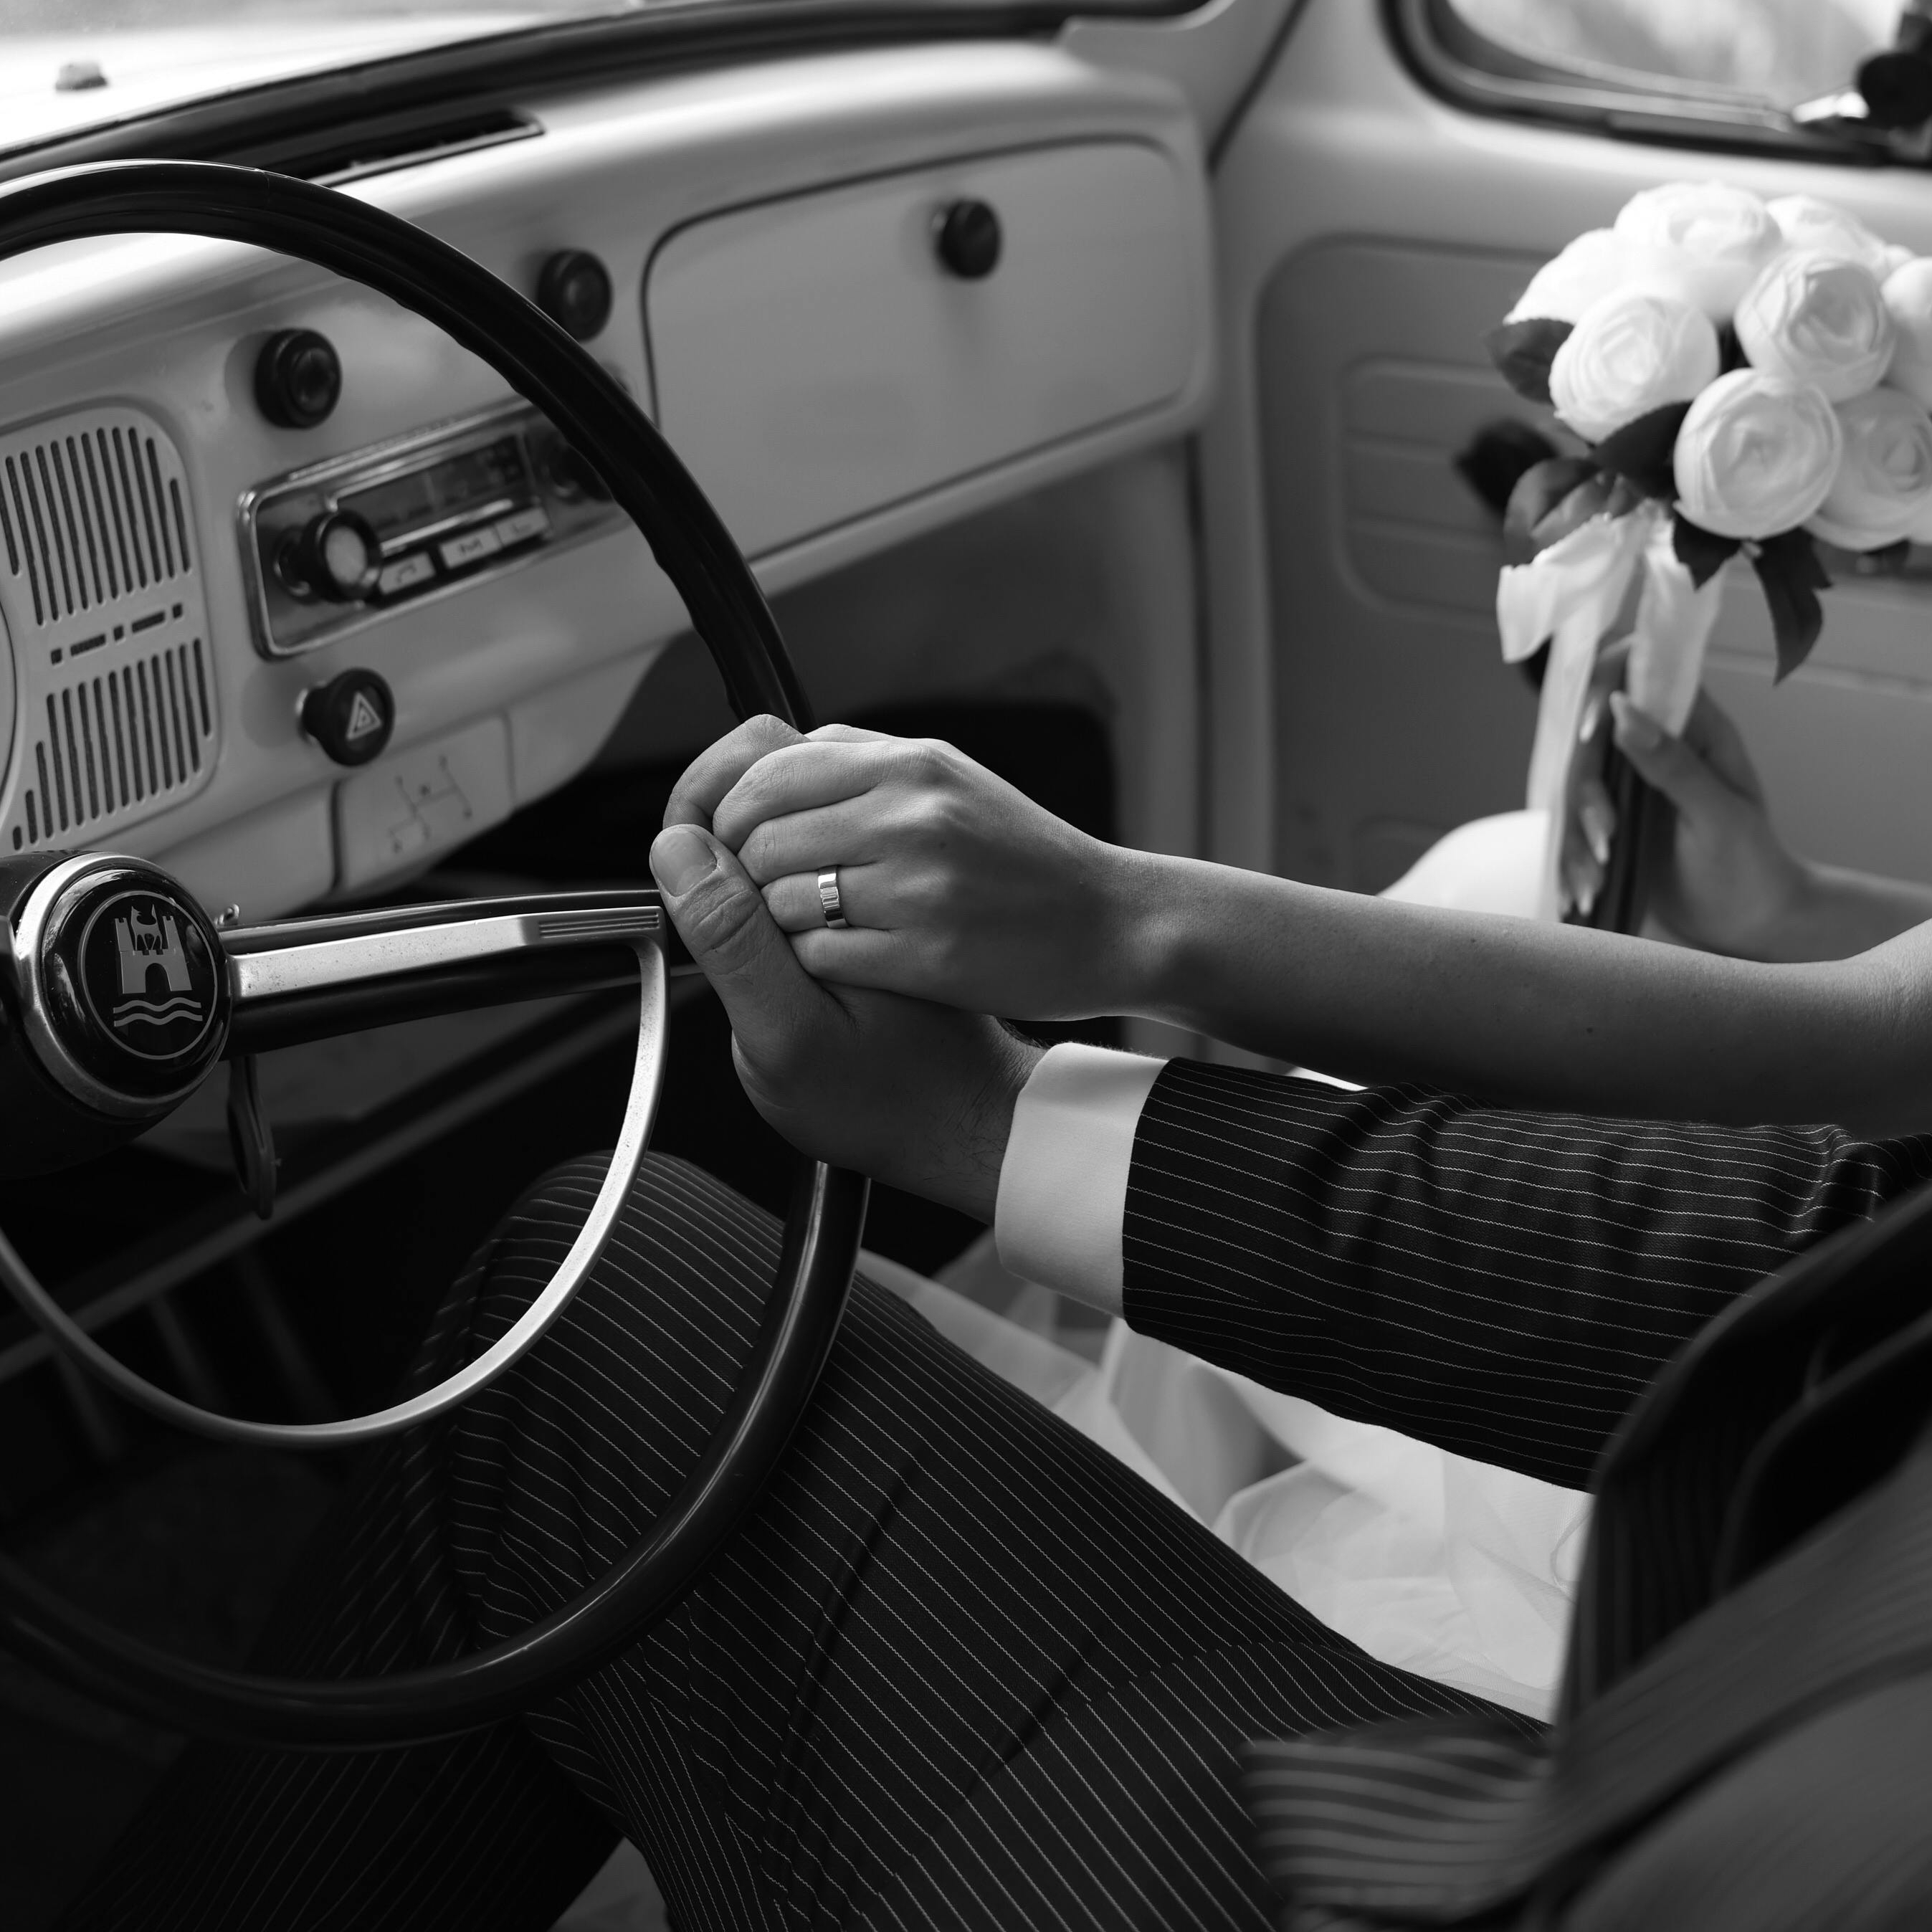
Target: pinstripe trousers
960	1669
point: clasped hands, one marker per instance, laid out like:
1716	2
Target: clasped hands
871	1047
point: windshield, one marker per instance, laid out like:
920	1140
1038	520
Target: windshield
69	64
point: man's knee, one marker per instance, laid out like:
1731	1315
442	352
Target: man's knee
572	1453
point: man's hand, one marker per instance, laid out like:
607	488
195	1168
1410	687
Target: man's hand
910	1094
957	887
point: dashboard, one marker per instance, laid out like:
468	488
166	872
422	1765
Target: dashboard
296	596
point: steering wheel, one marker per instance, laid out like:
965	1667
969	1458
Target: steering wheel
71	1085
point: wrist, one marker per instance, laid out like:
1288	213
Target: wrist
1787	923
956	1160
1144	933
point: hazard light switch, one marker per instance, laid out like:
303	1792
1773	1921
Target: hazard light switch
351	717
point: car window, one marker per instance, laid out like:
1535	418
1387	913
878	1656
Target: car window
1785	51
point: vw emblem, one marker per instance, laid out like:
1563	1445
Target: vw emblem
146	975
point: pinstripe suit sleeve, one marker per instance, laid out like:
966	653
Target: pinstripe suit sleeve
1501	1283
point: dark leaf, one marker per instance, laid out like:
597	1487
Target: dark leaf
1494	460
1591	498
1789	569
1701	553
1523	352
1540	491
1624	497
1640	452
1730	351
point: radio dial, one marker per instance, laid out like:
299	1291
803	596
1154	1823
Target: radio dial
336	555
569	476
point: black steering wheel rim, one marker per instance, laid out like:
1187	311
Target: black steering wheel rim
823	1227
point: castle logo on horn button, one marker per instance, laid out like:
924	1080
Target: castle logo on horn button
146	976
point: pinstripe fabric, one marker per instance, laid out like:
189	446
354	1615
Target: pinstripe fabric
961	1668
1504	1285
1392	1216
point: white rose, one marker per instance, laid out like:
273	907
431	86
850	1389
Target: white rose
1561	289
1631	352
1896	256
1704	240
1756	454
1908	300
1884	483
1818	319
1806	222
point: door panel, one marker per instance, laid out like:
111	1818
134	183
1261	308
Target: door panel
1381	561
1370	235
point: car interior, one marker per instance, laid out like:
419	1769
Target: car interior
1099	387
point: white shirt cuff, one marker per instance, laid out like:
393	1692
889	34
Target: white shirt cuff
1063	1196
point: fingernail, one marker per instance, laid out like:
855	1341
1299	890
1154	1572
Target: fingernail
1635	730
1597	830
681	856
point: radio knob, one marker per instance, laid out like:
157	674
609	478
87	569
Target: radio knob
351	717
298	378
335	555
567	474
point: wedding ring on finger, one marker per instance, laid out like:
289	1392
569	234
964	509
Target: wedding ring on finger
829	903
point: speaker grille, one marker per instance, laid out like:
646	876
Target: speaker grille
89	519
117	714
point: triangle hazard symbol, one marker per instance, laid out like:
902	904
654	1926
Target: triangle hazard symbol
363	718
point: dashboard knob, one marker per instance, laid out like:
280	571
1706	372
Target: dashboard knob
574	290
335	555
351	717
966	238
566	473
298	378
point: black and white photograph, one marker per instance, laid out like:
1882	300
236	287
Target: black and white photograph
965	965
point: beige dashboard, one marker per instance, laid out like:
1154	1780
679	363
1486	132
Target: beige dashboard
780	308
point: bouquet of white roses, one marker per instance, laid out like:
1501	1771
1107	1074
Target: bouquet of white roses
1746	377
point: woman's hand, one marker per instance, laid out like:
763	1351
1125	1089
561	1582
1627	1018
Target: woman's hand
1731	885
957	887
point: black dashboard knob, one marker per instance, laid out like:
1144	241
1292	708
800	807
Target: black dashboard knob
574	290
966	238
351	717
566	472
298	378
335	555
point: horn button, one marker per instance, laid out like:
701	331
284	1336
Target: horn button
132	985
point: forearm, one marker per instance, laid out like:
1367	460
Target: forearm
1503	1284
1523	1013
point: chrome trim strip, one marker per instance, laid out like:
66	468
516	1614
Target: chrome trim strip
310	965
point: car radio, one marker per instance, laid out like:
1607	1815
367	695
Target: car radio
329	548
